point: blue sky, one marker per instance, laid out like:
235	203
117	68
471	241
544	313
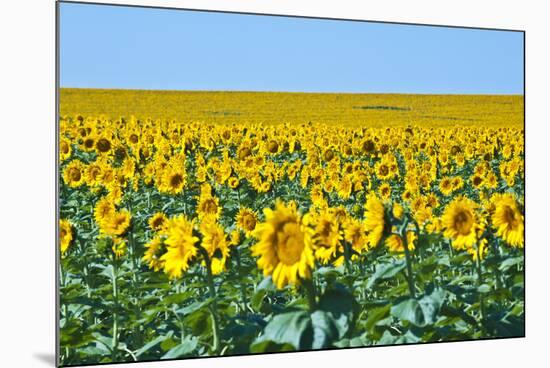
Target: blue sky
138	48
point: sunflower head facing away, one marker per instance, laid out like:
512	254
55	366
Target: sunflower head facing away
214	241
375	220
284	245
181	247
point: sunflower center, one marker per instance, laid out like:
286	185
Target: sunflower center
463	222
329	155
157	223
510	217
103	145
64	148
89	143
290	243
176	180
368	146
75	174
477	181
325	229
272	146
249	222
384	170
210	206
134	138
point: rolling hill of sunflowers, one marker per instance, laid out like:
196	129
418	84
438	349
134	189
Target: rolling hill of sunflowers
221	223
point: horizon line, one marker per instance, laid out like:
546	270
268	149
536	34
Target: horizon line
295	92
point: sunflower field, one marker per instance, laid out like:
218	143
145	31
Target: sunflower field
236	223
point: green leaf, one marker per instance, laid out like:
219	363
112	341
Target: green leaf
377	314
194	307
152	344
285	329
483	289
510	262
420	312
341	306
409	310
185	348
386	271
325	329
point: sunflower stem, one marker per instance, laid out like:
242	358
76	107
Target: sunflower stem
408	260
114	346
479	283
240	274
310	294
347	257
214	305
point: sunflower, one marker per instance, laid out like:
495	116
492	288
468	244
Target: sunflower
93	174
158	221
115	224
65	149
395	243
446	186
214	241
208	208
173	180
375	222
327	236
385	191
345	187
152	254
355	234
103	145
181	247
460	222
233	182
104	209
65	235
397	211
473	251
508	220
74	174
457	183
284	245
382	170
119	247
477	181
246	220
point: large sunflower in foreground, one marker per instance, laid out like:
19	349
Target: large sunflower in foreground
180	246
284	245
508	220
460	222
375	222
